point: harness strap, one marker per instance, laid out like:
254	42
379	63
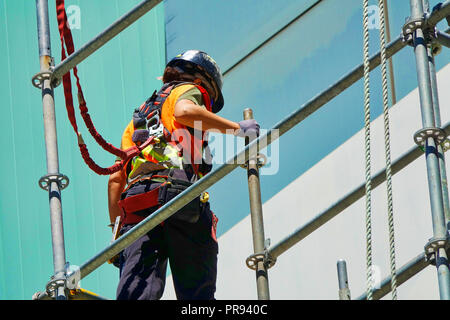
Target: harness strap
139	202
153	106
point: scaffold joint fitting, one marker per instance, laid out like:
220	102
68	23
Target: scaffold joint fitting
61	179
260	160
433	245
253	260
438	134
429	32
53	285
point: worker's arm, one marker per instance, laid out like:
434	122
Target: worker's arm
116	184
187	112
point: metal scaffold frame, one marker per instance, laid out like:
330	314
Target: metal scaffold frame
419	32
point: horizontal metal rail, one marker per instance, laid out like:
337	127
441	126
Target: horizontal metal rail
345	202
440	12
122	23
405	273
443	38
251	150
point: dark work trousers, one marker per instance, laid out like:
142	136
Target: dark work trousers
191	250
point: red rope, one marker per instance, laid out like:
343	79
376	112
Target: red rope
125	155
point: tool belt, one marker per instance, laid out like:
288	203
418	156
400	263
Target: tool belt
137	207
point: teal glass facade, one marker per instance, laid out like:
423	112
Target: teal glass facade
115	79
276	55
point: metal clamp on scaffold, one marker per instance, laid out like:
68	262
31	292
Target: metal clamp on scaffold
446	145
264	257
433	37
433	245
39	78
429	33
253	260
421	136
53	285
69	281
410	26
61	179
260	160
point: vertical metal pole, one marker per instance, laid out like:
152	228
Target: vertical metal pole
256	213
48	104
344	291
390	63
437	119
432	156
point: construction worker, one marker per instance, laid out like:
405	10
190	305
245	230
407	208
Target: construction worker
178	117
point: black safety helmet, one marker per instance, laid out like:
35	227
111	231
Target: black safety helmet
193	61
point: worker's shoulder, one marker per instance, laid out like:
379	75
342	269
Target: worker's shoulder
190	92
186	88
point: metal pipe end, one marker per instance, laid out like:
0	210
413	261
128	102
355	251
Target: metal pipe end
248	114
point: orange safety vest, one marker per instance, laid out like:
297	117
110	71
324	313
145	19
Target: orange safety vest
187	143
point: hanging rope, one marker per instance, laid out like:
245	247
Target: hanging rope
125	155
387	149
367	148
387	145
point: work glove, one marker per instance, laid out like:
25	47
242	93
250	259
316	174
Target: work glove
140	135
248	128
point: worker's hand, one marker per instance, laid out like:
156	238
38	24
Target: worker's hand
248	128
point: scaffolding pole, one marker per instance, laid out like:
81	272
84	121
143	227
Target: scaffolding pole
344	290
57	284
437	119
439	240
256	215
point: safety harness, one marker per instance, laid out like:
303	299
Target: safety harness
165	158
166	149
